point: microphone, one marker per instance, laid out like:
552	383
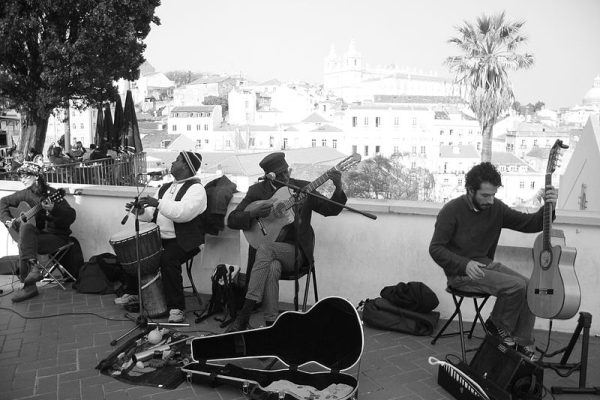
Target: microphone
268	177
124	219
152	173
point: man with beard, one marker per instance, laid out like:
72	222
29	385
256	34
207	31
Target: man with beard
464	242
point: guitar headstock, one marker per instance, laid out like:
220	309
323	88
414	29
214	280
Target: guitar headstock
348	162
555	155
57	196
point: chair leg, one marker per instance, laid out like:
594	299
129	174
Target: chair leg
440	334
478	317
296	290
188	268
306	289
462	333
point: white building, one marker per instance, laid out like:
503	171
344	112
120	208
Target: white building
193	94
194	119
348	77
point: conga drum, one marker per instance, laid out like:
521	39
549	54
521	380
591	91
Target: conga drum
153	296
123	243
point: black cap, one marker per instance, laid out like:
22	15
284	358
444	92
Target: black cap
274	162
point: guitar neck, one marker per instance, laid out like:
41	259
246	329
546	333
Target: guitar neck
547	217
310	187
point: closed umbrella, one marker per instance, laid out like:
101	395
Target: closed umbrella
131	132
108	125
118	125
99	126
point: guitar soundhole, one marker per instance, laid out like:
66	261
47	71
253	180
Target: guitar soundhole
545	259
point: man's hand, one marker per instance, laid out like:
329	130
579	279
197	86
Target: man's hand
474	270
8	223
262	210
336	178
47	205
148	202
551	195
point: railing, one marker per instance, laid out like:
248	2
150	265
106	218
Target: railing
120	171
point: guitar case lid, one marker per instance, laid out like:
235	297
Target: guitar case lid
330	334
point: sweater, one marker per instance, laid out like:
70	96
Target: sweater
463	234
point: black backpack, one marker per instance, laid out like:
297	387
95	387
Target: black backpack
227	294
99	275
382	314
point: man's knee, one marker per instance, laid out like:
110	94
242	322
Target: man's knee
264	252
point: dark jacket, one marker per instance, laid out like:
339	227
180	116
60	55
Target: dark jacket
240	219
58	221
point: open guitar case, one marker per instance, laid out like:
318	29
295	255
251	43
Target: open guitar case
316	349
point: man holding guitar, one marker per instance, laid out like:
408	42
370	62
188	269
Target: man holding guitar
260	211
42	227
464	242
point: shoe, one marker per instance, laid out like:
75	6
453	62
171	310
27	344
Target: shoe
34	275
500	333
25	293
528	351
240	323
126	299
176	316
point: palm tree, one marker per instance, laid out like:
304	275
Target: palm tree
489	52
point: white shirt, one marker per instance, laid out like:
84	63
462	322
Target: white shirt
189	207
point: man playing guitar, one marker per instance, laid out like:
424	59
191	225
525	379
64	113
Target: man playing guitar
269	259
49	228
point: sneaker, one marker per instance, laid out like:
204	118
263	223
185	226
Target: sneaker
176	316
34	275
528	351
126	299
500	333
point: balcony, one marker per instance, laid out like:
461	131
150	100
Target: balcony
355	258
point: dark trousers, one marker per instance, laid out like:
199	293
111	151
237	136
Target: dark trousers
170	269
32	242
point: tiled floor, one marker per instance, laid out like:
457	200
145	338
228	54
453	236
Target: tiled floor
51	344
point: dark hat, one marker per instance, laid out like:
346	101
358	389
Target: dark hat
274	162
193	160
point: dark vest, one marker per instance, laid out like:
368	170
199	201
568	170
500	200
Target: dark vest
189	235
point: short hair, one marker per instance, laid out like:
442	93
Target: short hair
92	146
483	172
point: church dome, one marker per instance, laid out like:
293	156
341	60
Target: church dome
592	96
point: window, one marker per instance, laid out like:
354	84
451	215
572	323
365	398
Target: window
414	121
478	146
414	149
423	149
502	168
534	142
460	181
323	142
246	104
271	141
450	132
251	142
174	128
205	141
205	127
366	121
396	121
81	125
532	185
228	143
74	125
198	127
445	180
366	151
413	164
314	142
354	149
199	144
354	122
395	149
377	121
441	132
521	185
285	143
334	143
189	127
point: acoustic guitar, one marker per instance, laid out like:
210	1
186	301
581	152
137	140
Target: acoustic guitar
25	214
553	291
267	229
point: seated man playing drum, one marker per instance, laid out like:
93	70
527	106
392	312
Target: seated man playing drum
176	209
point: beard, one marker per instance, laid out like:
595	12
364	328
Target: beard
478	205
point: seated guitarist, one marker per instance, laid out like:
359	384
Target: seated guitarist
464	242
266	263
50	230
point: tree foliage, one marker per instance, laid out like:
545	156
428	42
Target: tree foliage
489	52
54	51
217	100
387	178
183	77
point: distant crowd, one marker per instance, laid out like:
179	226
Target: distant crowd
55	155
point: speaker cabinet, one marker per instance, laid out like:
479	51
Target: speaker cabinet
507	369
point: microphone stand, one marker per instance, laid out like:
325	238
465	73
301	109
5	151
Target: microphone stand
298	191
141	321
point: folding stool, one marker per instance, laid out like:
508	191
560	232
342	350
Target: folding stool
53	264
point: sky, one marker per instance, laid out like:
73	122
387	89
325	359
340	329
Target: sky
289	39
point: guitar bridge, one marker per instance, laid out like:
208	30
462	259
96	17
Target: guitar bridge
544	291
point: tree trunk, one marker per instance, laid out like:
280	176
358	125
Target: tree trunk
33	133
486	142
